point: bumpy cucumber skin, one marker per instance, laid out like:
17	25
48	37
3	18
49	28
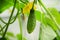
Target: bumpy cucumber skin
31	22
3	39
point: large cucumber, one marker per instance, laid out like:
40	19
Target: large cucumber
31	21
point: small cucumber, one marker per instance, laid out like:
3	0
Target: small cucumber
31	21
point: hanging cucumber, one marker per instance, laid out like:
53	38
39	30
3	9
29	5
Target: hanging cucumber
31	21
3	39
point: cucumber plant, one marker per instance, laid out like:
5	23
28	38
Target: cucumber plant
49	20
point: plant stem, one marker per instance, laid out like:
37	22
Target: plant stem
9	19
15	17
49	13
3	21
40	29
10	22
3	28
20	25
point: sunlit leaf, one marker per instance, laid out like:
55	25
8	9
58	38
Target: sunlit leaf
10	34
47	33
20	5
5	4
45	20
20	37
38	15
51	23
56	14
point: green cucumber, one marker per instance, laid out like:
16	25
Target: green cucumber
31	21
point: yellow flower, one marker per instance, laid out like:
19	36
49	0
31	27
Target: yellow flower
28	7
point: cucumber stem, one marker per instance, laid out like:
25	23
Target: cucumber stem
20	25
2	21
15	18
3	28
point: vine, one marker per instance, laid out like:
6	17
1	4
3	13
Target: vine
9	19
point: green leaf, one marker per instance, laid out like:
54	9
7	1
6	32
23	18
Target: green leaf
51	23
56	14
45	20
47	32
20	5
10	34
5	4
38	15
20	37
